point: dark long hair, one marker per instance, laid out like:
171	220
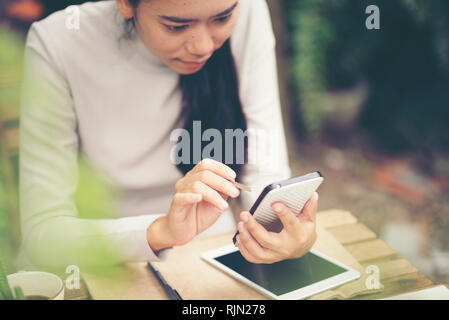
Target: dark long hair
212	96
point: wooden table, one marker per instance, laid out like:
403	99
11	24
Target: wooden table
397	275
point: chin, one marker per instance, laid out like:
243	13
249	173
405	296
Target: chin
187	72
184	69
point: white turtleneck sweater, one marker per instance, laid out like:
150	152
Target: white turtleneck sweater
92	92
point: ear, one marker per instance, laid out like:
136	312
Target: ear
125	8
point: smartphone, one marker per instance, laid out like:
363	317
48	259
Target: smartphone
293	192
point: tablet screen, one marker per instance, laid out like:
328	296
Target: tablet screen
284	276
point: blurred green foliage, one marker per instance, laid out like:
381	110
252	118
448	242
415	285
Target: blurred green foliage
405	63
5	249
92	198
11	59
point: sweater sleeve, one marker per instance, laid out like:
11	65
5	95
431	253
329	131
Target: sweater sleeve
52	232
259	92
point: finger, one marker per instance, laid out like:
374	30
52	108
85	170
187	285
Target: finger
308	213
289	220
214	166
218	183
181	200
266	239
245	253
252	245
224	196
209	195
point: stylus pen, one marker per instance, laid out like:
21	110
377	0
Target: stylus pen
171	293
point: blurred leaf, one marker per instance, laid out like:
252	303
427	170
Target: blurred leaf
11	47
93	197
19	293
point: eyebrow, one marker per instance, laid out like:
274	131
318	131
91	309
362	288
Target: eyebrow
182	20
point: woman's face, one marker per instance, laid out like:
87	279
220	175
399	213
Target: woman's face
183	33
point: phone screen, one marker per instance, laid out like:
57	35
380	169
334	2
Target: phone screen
284	276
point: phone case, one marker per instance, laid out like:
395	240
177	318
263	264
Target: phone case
293	192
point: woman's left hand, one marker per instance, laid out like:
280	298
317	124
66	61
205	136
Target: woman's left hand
258	245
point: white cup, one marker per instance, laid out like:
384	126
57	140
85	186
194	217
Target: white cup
38	283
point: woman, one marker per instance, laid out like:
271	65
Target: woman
112	87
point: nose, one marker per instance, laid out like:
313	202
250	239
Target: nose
201	43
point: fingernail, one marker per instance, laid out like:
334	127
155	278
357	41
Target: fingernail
245	217
224	205
235	192
232	174
241	228
277	207
238	239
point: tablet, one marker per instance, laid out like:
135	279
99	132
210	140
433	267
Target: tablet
285	280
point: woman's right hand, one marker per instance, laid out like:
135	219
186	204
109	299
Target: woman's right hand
199	199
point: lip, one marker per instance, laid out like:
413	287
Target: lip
193	64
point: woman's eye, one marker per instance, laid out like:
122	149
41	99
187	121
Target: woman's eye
223	19
176	28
